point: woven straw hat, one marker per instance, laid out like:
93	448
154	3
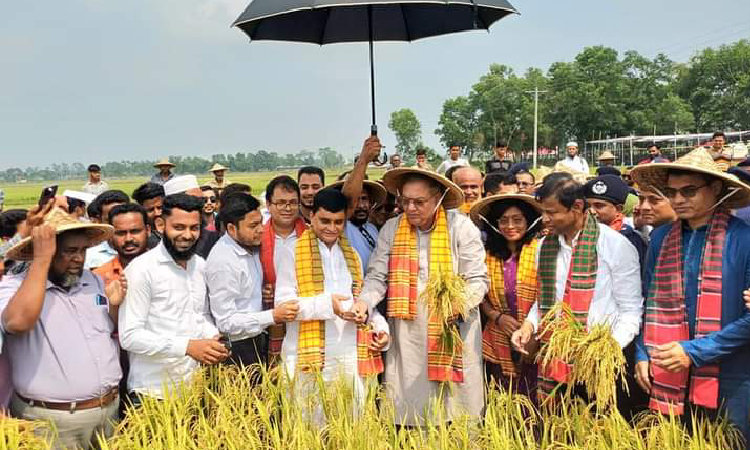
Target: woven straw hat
377	192
163	162
394	180
62	221
217	167
654	175
483	206
606	156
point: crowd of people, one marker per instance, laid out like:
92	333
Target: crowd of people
107	298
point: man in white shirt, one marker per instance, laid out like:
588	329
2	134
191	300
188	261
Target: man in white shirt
574	161
454	159
325	304
234	277
614	297
165	323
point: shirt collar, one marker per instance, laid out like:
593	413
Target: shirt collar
238	249
73	289
163	256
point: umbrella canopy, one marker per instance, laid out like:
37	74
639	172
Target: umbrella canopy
336	21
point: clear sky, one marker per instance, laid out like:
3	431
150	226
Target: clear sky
104	80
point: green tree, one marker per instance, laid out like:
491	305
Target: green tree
408	130
458	124
716	85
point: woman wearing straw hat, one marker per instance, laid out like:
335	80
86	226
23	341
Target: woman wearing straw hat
693	353
59	319
511	222
165	171
429	243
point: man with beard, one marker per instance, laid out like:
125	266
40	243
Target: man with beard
188	184
362	195
234	277
310	180
98	212
58	319
654	155
573	160
210	208
129	239
165	323
150	196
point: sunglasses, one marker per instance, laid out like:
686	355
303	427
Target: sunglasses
685	192
211	199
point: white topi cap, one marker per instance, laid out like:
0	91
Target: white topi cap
85	197
572	144
180	184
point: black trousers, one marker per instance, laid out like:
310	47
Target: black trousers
249	351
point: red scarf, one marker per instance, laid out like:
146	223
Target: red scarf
666	318
276	332
616	224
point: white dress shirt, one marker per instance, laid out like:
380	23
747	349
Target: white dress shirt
99	255
340	335
234	277
617	293
165	307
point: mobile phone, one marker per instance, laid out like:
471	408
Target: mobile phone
224	339
47	193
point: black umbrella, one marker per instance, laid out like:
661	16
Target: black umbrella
334	21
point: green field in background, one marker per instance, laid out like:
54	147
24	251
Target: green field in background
24	195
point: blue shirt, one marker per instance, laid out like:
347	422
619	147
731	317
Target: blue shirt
363	240
727	347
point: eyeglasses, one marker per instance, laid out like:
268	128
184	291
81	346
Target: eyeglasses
418	203
685	192
286	205
211	199
516	222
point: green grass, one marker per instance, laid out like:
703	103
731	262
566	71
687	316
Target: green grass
25	195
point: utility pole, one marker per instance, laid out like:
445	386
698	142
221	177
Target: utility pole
536	93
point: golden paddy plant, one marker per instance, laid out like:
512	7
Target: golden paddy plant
446	297
598	362
251	408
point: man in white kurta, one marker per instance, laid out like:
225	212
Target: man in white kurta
340	361
415	397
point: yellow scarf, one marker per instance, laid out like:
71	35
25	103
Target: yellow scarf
496	345
310	282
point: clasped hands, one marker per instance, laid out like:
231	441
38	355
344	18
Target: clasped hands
357	313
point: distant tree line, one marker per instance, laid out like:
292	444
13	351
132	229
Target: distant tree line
239	162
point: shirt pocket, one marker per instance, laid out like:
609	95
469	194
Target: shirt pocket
97	317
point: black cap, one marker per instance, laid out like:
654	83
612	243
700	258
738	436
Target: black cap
742	174
607	187
608	170
518	167
94	168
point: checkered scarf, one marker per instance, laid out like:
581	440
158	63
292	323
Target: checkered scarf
495	344
579	290
666	319
276	332
465	208
310	282
443	364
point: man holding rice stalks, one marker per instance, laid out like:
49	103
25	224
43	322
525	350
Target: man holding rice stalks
693	354
429	265
592	270
324	278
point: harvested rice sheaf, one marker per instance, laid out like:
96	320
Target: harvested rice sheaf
446	297
597	360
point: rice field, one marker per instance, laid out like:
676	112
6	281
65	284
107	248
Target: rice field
25	195
222	409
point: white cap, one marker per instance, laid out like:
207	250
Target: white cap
180	184
85	197
572	144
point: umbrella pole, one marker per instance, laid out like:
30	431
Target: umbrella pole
374	127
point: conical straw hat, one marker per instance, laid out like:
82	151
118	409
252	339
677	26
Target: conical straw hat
61	221
163	162
394	180
606	156
655	175
217	167
483	206
377	192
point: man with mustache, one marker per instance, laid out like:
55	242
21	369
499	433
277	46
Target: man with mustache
165	322
58	319
129	239
310	180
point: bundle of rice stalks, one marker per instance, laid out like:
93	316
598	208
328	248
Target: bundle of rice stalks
446	298
19	434
597	360
660	432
